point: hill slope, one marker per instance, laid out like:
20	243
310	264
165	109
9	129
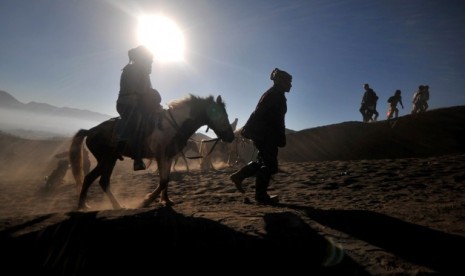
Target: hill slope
436	132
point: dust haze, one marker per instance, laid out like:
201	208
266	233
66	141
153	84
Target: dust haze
36	125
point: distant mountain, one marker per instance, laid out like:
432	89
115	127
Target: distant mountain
7	101
41	120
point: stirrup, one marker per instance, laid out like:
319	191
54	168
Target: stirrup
139	165
120	149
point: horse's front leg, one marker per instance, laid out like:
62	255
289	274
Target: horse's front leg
164	199
164	169
165	178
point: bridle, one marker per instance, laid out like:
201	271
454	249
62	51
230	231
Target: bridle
175	125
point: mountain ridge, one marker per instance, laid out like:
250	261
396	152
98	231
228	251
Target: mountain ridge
8	101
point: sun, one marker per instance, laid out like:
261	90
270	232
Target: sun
162	36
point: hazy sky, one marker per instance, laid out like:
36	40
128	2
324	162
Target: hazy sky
70	53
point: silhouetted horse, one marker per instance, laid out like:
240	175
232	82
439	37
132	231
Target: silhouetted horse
241	150
191	147
179	121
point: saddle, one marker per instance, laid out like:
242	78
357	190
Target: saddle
123	135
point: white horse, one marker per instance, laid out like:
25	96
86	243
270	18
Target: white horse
191	147
240	151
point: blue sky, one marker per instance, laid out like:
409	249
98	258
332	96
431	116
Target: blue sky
70	53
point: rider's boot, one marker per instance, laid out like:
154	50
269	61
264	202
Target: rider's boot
138	152
138	162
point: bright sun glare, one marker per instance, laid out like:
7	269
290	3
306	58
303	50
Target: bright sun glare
162	36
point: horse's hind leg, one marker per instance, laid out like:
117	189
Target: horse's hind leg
185	161
88	180
105	183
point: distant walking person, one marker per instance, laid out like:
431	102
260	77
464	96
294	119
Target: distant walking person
420	99
425	97
368	105
266	128
393	101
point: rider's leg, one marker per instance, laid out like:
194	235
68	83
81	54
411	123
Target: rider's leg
138	145
138	162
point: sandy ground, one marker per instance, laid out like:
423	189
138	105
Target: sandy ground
386	216
398	216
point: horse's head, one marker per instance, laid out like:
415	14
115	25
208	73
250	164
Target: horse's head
218	120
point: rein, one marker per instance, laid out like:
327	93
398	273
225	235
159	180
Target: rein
173	122
175	125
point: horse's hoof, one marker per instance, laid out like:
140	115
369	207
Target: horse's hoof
84	207
144	204
167	203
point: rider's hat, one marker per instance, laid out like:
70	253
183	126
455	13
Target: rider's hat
140	53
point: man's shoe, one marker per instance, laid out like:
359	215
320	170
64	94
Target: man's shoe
139	165
267	199
237	180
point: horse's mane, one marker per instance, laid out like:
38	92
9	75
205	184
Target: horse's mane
196	102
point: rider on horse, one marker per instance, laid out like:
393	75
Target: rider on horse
137	101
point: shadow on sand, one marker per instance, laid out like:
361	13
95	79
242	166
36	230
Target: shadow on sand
144	240
439	251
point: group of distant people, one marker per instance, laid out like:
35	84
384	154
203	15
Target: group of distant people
370	100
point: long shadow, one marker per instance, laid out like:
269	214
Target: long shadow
156	240
8	231
421	245
301	245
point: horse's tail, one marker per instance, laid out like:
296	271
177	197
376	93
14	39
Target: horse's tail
76	159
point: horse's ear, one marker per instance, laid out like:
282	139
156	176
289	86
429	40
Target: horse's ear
218	99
